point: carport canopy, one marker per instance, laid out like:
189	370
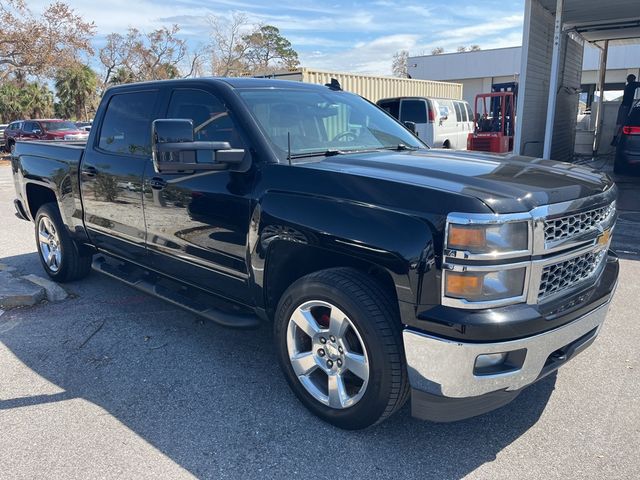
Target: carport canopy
599	22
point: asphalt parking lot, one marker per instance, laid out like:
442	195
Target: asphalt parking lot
114	383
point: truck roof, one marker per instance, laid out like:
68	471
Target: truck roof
235	82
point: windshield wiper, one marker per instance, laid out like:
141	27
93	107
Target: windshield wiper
400	147
324	153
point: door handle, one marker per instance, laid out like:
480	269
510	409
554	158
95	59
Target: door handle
157	183
89	171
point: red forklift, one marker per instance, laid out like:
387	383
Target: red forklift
494	126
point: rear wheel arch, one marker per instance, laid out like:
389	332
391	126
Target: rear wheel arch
37	196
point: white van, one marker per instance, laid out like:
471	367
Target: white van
441	123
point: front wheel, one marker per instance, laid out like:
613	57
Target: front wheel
59	254
340	346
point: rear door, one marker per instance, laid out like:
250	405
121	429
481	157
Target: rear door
112	169
460	125
465	125
198	222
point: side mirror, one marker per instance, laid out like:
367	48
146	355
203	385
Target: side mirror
36	131
174	149
411	126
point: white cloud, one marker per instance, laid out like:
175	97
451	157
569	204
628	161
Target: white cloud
373	57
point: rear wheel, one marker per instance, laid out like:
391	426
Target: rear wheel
340	347
60	256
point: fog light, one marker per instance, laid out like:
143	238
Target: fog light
489	360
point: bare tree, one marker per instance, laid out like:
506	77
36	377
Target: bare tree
40	45
228	47
399	66
474	48
437	51
139	56
461	49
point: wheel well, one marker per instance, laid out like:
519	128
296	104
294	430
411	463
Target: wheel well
37	195
288	262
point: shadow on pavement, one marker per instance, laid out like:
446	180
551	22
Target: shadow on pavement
214	400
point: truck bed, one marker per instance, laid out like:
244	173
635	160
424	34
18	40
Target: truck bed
69	152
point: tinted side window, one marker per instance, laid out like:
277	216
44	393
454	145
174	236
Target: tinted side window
391	107
414	111
126	128
463	112
469	111
30	126
634	117
211	119
456	105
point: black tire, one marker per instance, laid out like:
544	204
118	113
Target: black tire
375	314
73	264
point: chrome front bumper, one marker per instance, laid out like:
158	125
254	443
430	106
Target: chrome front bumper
446	367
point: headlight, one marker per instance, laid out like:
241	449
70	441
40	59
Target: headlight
482	286
489	238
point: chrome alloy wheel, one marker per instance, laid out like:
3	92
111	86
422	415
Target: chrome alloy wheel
327	354
49	244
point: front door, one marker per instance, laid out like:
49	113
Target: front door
197	223
111	175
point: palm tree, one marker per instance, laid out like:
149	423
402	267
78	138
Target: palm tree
76	89
36	101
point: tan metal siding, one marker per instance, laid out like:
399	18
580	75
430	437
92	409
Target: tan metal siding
375	88
536	70
564	126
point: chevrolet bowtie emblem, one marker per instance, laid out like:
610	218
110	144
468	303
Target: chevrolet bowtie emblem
604	237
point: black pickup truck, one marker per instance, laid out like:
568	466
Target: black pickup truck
388	269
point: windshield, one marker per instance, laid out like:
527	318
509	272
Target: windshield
324	122
58	126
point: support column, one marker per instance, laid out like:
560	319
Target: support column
553	81
602	71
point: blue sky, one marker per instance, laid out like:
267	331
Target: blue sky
358	35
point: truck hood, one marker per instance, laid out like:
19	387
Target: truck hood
506	184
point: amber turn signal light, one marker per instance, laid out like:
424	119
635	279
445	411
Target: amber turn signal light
463	284
466	238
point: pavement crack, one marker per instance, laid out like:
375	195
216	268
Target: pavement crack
92	335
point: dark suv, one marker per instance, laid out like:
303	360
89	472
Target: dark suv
628	149
41	130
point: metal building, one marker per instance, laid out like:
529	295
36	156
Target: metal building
555	32
375	88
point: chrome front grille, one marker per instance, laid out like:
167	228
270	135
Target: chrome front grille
575	224
569	273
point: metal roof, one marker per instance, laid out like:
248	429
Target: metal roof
597	20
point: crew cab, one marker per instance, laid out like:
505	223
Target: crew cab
388	270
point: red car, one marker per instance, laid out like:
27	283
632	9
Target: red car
42	130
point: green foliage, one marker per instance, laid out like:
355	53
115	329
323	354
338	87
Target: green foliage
76	89
24	100
268	50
